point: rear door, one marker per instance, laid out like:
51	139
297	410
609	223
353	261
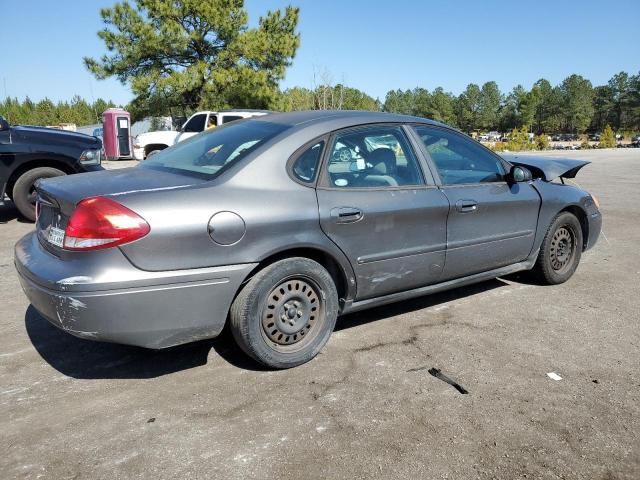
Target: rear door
492	223
230	118
379	208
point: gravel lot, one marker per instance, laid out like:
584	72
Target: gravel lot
366	407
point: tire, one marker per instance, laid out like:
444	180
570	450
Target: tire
23	190
152	152
560	251
285	314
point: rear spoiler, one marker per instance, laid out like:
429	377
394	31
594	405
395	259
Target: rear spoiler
548	168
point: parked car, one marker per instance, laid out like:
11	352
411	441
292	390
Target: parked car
28	154
494	136
97	132
261	223
152	142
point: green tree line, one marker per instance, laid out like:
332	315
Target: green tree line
573	106
46	112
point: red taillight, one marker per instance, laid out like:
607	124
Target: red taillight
99	222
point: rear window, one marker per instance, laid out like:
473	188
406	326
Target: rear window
206	155
231	118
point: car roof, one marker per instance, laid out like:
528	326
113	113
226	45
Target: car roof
248	110
355	117
234	110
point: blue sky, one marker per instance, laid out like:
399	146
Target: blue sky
371	45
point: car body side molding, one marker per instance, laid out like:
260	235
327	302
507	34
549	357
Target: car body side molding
438	287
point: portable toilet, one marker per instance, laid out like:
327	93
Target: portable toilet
116	134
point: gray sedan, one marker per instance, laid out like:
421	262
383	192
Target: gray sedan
281	223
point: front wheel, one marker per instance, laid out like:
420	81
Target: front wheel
285	314
24	192
560	251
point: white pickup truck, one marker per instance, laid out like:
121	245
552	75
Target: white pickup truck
145	143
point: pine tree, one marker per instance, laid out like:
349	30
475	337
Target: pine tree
196	54
608	138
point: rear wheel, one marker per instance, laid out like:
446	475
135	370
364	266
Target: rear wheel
152	150
24	192
560	251
285	314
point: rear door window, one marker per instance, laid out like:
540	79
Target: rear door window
231	118
376	156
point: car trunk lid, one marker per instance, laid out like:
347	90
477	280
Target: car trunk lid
548	168
58	197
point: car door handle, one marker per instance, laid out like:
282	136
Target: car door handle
466	206
346	214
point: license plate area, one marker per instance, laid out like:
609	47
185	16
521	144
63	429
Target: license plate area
50	227
55	236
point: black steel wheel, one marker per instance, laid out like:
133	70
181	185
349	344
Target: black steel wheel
560	251
563	248
293	310
285	314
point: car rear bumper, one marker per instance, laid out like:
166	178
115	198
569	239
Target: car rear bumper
147	309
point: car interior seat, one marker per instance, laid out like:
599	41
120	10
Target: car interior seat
383	170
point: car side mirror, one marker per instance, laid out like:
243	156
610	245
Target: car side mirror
4	125
519	174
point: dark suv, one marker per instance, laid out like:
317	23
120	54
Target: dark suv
28	154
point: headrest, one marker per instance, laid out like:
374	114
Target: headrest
383	160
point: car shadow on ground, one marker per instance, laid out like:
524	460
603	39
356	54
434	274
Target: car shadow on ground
86	359
414	304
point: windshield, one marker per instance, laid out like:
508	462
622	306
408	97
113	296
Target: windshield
207	154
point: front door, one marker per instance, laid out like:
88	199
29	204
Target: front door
491	223
193	126
376	206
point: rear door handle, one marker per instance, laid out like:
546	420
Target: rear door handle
466	206
346	214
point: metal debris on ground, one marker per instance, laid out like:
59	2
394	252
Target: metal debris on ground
436	372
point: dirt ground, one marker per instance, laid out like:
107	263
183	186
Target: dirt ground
366	408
